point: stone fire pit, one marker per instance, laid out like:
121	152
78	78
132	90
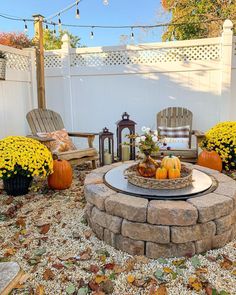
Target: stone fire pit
161	228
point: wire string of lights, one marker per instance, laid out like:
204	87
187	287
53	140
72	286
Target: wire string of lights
49	21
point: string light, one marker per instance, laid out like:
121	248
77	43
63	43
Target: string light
46	27
77	11
54	30
26	27
132	34
105	2
91	34
59	21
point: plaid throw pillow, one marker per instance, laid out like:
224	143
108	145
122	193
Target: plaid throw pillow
182	131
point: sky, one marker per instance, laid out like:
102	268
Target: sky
93	12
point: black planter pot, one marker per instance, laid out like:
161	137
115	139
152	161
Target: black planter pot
18	185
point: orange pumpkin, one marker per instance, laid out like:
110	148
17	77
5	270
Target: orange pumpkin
61	178
170	162
210	159
173	173
161	173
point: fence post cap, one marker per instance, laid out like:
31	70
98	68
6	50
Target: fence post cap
228	25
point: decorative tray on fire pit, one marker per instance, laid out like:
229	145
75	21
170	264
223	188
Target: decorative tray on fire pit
135	178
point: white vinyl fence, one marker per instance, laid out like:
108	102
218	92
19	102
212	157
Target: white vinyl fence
18	93
92	87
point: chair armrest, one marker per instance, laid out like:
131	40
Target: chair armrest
82	134
41	139
198	133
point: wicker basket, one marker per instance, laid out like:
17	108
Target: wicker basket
134	177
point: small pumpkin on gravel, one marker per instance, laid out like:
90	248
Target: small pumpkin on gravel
61	178
170	162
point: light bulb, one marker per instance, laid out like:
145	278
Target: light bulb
77	13
25	27
132	36
91	35
105	2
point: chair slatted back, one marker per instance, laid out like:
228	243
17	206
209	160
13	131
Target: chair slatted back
41	120
175	117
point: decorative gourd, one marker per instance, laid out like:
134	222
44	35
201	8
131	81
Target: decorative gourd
161	173
170	162
173	173
61	178
210	159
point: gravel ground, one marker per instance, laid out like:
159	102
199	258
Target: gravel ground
46	233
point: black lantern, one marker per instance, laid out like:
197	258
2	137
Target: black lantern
106	157
130	125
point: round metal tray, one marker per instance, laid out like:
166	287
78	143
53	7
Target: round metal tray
202	184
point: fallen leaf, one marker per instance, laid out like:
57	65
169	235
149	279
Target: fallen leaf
178	262
48	275
201	270
211	258
83	291
107	287
58	266
8	201
70	289
93	268
139	283
130	279
162	260
93	285
100	278
67	257
195	283
44	229
234	272
40	290
195	261
9	252
109	266
87	234
159	274
129	264
161	290
226	263
20	222
167	270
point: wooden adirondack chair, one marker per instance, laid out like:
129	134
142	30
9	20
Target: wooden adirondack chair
177	117
41	120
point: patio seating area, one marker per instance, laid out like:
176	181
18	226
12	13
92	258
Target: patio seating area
117	163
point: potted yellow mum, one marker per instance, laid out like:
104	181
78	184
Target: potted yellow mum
21	159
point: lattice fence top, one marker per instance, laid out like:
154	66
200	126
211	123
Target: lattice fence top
52	61
146	56
18	61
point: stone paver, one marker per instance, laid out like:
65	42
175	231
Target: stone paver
223	224
222	239
94	178
227	189
97	194
154	250
8	272
113	223
172	213
203	245
146	232
212	206
183	234
99	230
128	207
109	237
206	170
130	246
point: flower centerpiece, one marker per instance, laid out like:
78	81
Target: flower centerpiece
148	143
21	159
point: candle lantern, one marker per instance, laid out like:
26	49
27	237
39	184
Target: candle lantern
106	156
122	152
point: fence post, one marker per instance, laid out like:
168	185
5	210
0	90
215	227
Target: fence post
66	73
226	71
33	77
